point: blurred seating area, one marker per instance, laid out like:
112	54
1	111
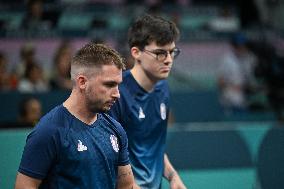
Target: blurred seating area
38	38
85	18
211	144
89	18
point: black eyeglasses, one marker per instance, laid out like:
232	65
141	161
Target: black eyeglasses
162	54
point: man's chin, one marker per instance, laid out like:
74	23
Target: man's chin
164	75
106	109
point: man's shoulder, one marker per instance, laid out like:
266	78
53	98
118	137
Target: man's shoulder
128	83
110	120
52	118
127	78
162	86
49	126
54	113
126	73
112	123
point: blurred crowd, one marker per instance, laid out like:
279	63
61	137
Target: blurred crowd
223	16
251	77
251	72
28	76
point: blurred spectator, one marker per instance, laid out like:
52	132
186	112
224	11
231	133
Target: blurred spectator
30	111
271	70
34	18
27	58
8	80
61	76
27	55
5	83
236	76
226	21
33	80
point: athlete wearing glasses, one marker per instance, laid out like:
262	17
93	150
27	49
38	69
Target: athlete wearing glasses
143	107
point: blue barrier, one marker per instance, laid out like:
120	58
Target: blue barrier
187	106
270	164
216	156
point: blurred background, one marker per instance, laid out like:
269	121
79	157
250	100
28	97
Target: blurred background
227	85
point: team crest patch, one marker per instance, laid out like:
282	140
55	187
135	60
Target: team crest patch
163	111
113	140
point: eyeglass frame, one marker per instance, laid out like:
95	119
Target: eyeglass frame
164	53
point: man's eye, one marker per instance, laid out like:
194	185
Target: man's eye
160	52
110	85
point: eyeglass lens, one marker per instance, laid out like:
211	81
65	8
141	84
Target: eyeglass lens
163	54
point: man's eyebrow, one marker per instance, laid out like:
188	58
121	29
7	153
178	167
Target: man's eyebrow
165	49
111	82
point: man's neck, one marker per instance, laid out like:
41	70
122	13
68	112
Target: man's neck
142	79
76	106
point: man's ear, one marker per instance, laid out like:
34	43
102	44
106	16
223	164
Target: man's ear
81	81
136	53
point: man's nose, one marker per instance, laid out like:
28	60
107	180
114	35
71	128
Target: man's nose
116	93
169	58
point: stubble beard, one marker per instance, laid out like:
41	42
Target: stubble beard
97	106
94	106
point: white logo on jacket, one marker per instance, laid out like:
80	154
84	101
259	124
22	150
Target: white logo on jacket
114	143
141	113
163	111
81	147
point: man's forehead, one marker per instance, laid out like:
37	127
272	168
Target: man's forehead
167	46
110	71
109	68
